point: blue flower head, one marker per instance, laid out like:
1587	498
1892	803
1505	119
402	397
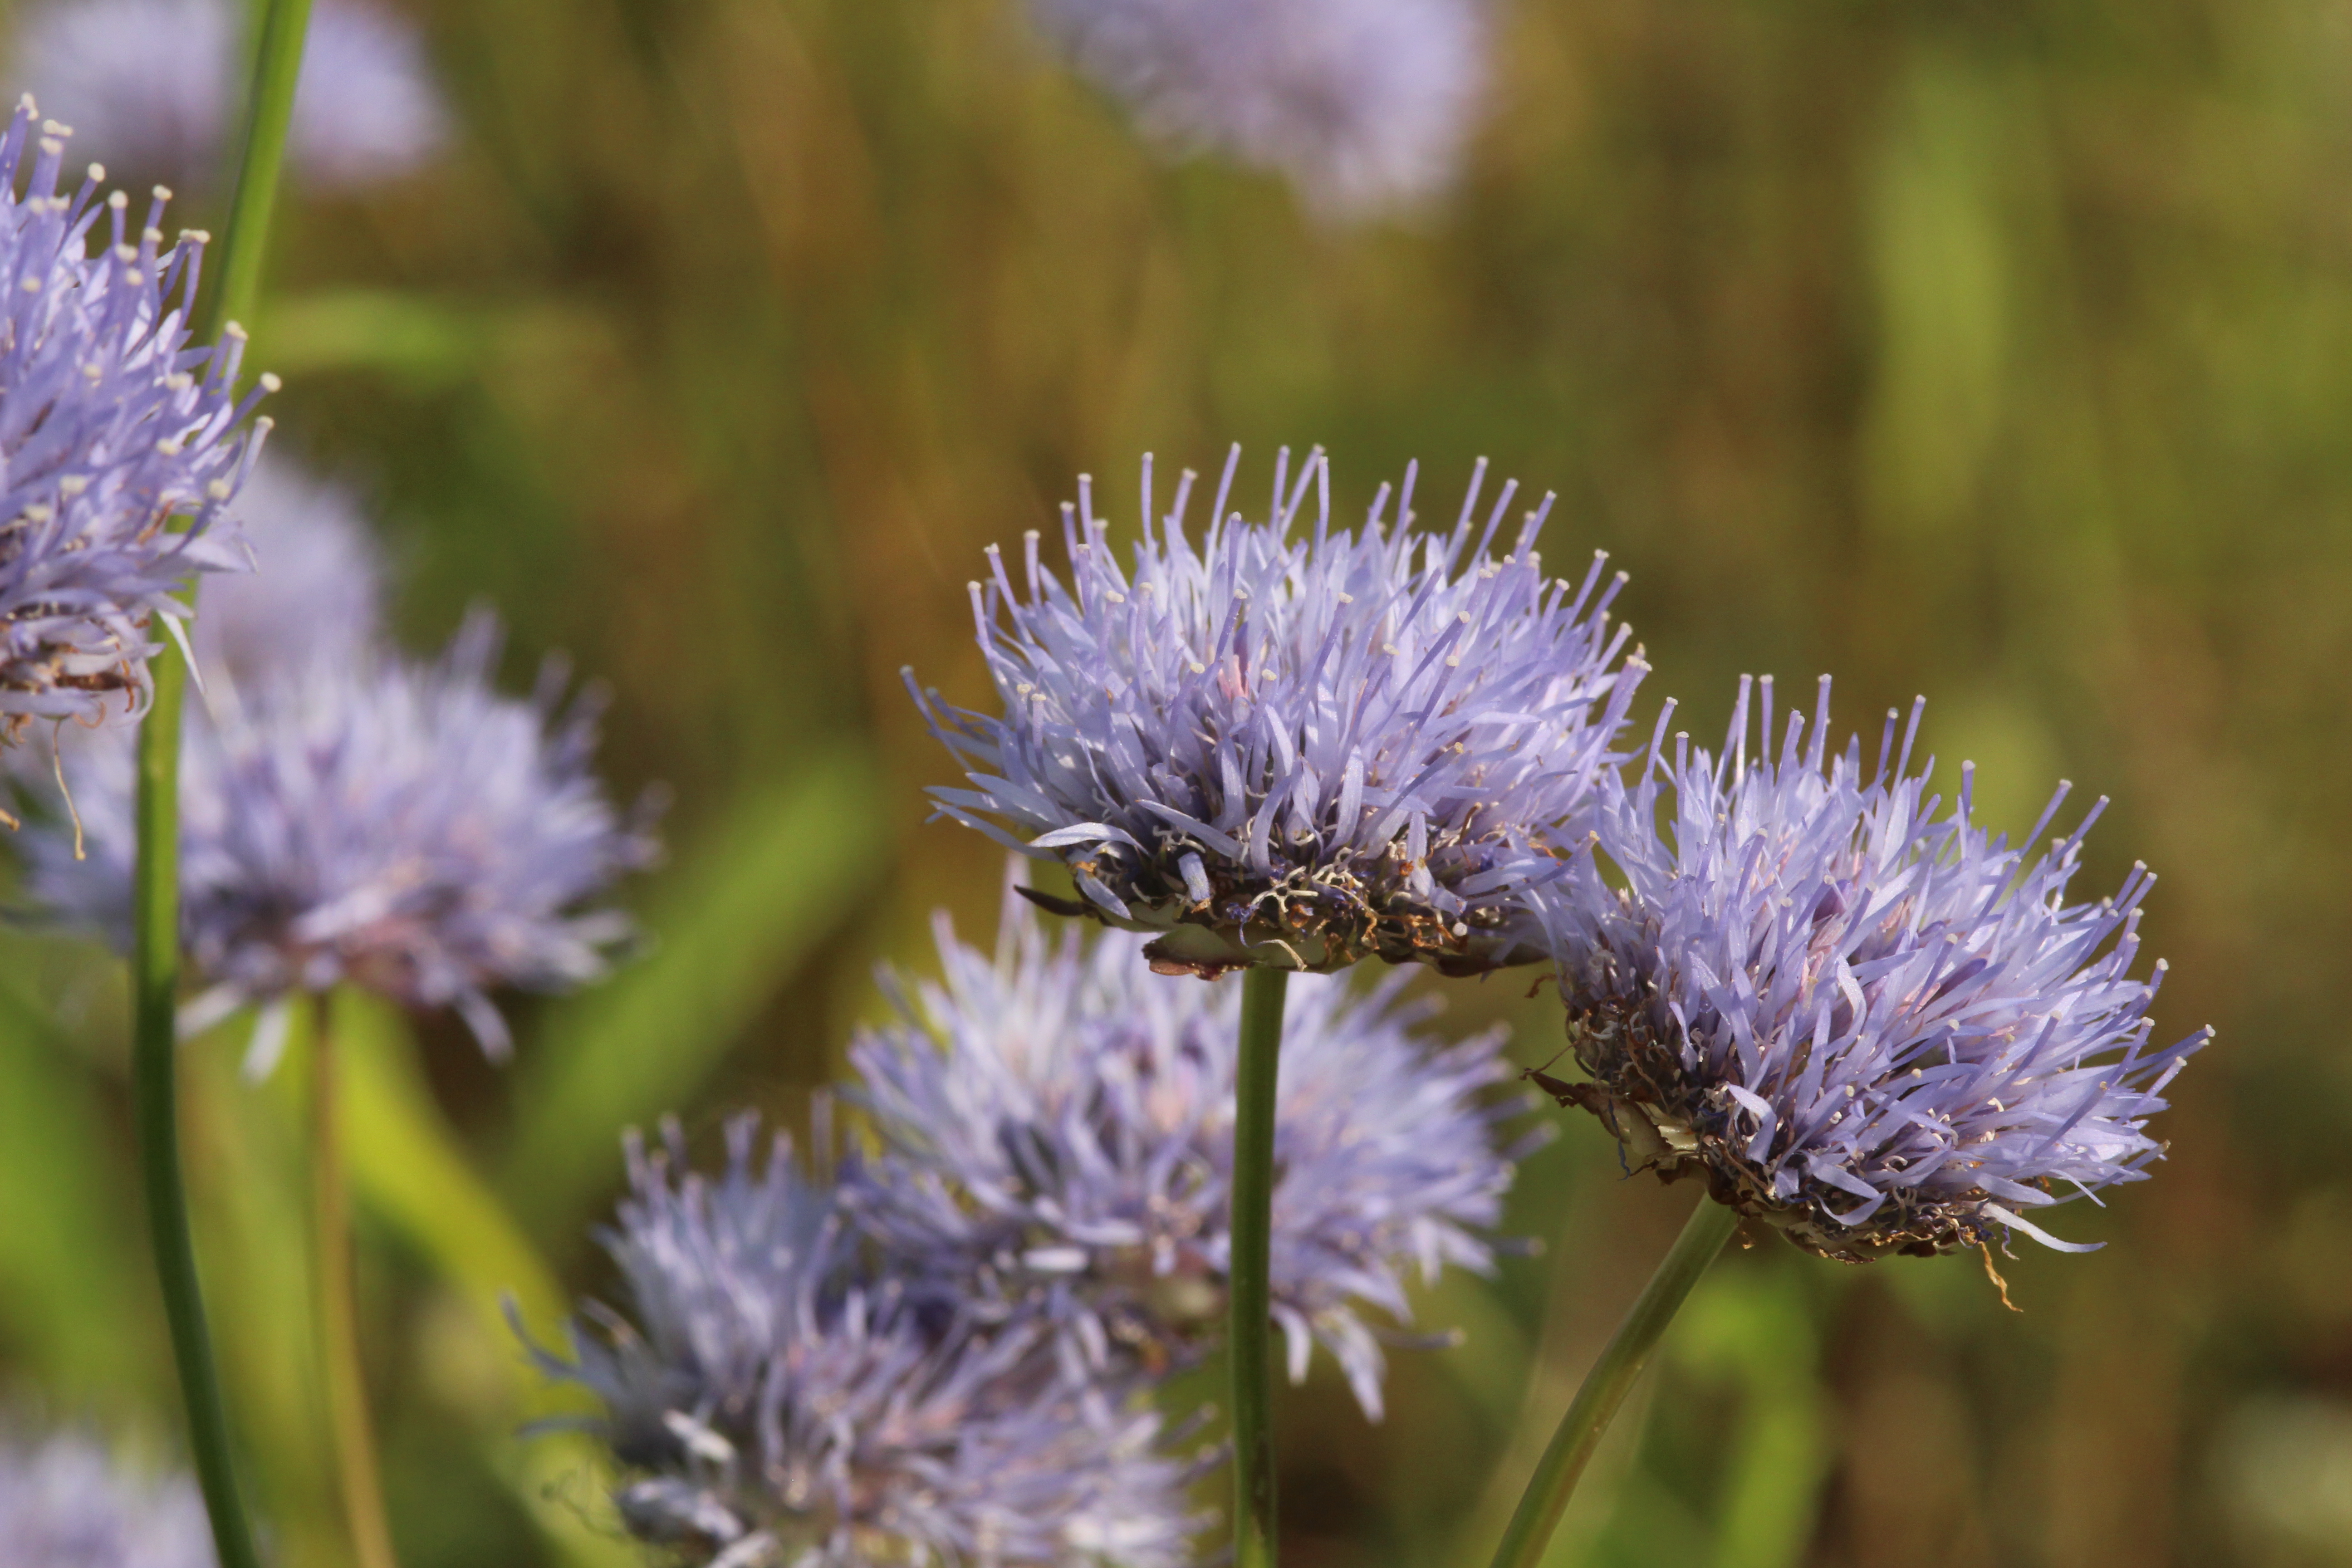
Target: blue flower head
773	1402
1295	750
1868	1022
1363	104
399	827
110	425
1057	1130
66	1503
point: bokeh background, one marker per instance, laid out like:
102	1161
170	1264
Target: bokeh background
1998	350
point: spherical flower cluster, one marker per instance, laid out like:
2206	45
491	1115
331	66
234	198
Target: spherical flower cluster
317	595
1876	1028
1363	104
1295	751
153	85
399	827
1058	1132
110	425
774	1402
66	1504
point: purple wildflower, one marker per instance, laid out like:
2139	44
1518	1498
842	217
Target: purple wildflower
1057	1130
152	84
315	593
66	1504
1363	104
397	826
1877	1028
773	1404
1296	753
110	425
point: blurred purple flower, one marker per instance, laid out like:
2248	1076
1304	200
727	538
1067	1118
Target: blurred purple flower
1876	1028
1295	753
1362	104
315	595
110	426
151	85
397	826
1057	1128
773	1404
66	1504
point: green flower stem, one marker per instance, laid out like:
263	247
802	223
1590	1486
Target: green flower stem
155	982
277	67
338	1307
155	890
1250	1342
1606	1385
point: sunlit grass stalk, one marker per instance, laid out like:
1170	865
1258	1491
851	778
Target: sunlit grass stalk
342	1370
155	894
1607	1384
1250	1340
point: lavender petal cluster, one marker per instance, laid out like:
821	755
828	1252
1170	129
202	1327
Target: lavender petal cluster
397	825
1864	1019
66	1503
1296	745
1056	1127
110	426
1363	105
153	85
775	1400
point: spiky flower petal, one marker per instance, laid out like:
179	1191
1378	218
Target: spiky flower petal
1295	752
1363	104
110	425
773	1403
399	827
1873	1024
64	1503
1057	1130
153	85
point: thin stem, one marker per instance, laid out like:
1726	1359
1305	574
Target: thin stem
339	1316
1250	1342
269	113
155	888
1606	1385
156	981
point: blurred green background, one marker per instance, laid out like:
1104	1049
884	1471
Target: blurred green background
1995	350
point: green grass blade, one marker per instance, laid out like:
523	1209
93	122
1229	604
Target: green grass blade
68	1293
409	1170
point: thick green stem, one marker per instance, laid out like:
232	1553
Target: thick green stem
1606	1385
155	888
1250	1342
342	1373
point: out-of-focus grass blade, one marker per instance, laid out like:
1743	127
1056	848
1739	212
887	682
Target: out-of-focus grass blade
1548	1378
1773	1490
1753	1325
369	329
66	1293
248	1162
409	1169
772	877
1490	1363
